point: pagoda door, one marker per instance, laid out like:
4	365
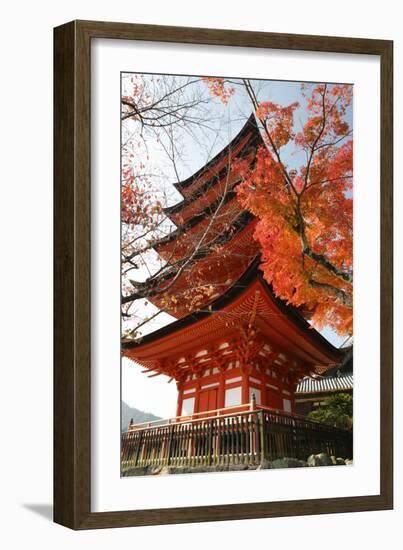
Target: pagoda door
208	400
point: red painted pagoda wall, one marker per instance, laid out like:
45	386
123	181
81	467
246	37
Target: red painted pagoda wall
234	386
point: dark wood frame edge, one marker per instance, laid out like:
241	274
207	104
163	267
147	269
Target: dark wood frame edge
72	215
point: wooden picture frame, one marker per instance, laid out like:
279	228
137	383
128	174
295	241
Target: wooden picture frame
72	271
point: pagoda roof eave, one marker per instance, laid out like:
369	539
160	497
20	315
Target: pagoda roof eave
250	124
251	275
242	220
211	182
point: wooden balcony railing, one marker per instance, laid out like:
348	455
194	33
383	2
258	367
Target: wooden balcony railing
245	437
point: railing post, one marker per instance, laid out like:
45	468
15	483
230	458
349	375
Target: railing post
140	441
252	405
263	440
171	431
210	442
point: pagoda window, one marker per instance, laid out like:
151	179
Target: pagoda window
188	406
215	370
287	405
233	397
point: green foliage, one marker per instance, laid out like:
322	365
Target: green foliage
336	410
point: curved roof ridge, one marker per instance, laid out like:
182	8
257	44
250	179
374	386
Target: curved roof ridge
214	180
197	218
249	124
250	274
240	223
216	305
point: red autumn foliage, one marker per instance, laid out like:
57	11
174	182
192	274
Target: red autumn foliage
279	121
218	88
305	215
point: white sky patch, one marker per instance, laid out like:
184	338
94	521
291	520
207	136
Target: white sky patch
153	395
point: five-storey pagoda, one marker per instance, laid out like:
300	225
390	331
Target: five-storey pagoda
233	339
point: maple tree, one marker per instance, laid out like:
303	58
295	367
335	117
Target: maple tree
305	212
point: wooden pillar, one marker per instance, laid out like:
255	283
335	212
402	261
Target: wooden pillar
264	393
221	392
179	403
197	396
294	380
263	387
245	387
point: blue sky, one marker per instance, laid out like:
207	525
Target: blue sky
229	119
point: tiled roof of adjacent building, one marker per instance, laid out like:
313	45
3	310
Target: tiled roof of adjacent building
320	385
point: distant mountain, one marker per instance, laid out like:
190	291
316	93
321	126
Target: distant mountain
138	416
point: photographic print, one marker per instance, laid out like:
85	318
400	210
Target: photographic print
236	274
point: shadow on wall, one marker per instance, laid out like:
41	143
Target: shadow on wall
44	510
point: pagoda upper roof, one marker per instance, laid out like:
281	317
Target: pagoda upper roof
220	198
250	128
240	222
280	323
